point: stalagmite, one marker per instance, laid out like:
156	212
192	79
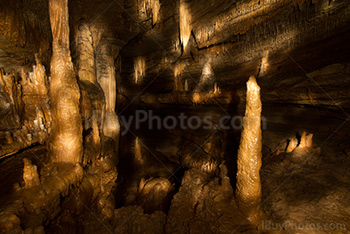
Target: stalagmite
137	151
36	82
8	137
30	174
196	98
264	64
178	69
66	138
207	72
139	69
184	23
248	191
292	145
305	141
106	78
217	89
186	85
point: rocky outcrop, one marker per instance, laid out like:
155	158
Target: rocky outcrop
133	220
314	190
205	203
25	110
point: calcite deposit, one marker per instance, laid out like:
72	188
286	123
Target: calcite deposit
66	138
248	191
135	116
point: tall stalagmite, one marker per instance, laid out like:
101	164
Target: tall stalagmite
248	190
66	138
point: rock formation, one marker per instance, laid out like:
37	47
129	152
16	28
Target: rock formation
248	191
107	80
134	116
66	143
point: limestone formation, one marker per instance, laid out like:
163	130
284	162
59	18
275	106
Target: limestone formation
86	54
248	188
66	138
107	80
30	174
184	23
139	69
292	145
78	156
305	141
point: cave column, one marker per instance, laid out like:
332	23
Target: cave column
65	144
248	191
86	54
106	77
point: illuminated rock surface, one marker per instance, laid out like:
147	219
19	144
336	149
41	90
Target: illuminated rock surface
66	138
248	191
76	74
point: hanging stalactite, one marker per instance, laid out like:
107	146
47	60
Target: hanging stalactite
106	78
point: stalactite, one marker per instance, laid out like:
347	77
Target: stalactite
24	104
105	55
35	94
248	191
155	11
184	23
149	8
89	87
10	100
66	138
139	69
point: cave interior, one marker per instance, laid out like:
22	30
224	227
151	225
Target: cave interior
174	116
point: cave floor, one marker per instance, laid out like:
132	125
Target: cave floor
308	186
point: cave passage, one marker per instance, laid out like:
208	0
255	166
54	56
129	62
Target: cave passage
175	116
